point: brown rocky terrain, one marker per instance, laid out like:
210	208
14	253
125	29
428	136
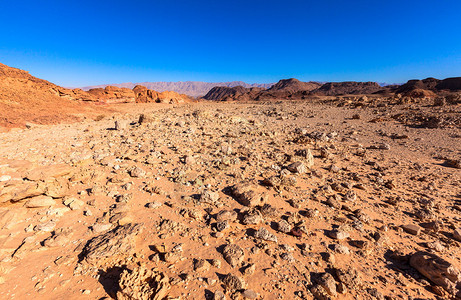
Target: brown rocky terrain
139	94
337	198
222	93
348	88
293	89
430	87
147	196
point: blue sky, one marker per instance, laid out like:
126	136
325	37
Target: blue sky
79	43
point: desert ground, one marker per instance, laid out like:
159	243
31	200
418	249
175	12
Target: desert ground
225	200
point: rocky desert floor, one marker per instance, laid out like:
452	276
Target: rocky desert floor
281	200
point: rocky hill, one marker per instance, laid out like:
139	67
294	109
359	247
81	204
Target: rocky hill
294	85
347	88
25	98
430	86
225	93
294	89
190	88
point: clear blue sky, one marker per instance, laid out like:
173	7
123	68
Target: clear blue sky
78	43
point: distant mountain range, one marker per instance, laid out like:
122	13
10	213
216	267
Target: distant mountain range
190	88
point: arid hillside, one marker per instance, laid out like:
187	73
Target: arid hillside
25	99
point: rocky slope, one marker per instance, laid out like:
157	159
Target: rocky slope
25	98
347	88
139	94
222	93
294	200
294	89
28	99
190	88
430	86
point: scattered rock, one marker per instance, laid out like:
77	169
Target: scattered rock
117	242
233	254
265	235
209	197
412	229
297	167
233	282
437	270
247	194
339	234
457	234
142	283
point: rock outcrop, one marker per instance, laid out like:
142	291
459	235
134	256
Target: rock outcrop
293	85
347	88
144	95
221	93
438	270
112	94
189	88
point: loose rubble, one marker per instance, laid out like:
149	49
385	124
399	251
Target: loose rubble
317	199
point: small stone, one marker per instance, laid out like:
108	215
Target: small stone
154	205
341	249
226	215
249	270
249	294
297	167
457	234
283	226
233	282
252	217
73	203
265	235
247	194
121	124
287	256
219	295
209	197
201	265
5	178
137	172
412	229
221	226
328	283
216	263
339	234
233	254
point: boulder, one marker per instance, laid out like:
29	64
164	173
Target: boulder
437	270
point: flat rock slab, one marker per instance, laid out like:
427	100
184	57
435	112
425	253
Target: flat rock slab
412	229
47	172
437	270
40	201
111	244
21	191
